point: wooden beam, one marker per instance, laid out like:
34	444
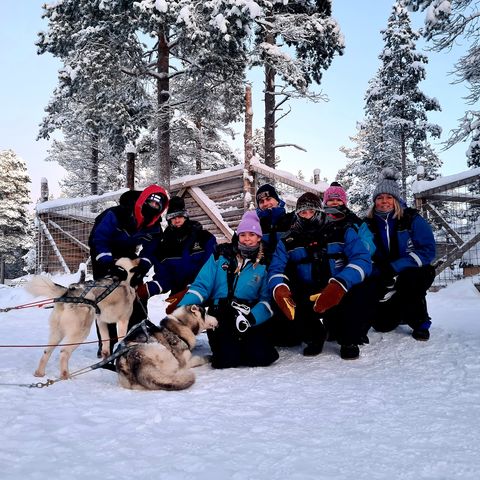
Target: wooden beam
69	236
211	210
475	176
288	178
211	177
457	197
458	239
442	263
54	247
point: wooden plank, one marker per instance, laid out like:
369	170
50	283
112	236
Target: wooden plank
436	214
449	186
212	177
69	236
444	262
457	197
287	178
211	210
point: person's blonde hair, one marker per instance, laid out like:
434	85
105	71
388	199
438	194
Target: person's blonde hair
397	208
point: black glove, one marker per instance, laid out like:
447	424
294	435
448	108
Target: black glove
117	272
139	272
386	274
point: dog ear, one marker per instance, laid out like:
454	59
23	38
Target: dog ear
194	308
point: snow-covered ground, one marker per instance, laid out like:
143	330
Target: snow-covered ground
404	410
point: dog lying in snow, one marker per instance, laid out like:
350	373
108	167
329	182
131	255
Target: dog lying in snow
75	309
160	358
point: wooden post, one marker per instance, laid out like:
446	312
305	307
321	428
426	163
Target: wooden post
316	176
44	190
130	173
248	201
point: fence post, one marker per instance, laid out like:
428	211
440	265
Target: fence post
316	176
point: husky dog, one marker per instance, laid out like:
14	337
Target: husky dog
111	299
162	359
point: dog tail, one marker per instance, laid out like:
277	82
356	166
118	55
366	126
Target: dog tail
42	286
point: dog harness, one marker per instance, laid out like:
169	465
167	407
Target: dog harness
108	289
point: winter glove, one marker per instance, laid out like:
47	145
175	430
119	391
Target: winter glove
283	297
386	274
329	297
142	292
117	272
140	271
174	300
147	290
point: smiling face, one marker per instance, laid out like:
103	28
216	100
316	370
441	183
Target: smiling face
266	203
384	202
249	239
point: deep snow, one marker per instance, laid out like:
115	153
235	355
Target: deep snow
404	410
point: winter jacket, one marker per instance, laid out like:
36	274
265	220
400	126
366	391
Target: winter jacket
403	243
345	215
119	231
307	259
274	222
179	256
249	284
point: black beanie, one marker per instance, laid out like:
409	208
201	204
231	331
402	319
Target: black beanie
176	208
308	201
265	191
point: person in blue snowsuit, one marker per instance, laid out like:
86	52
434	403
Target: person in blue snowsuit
123	230
233	284
402	266
314	273
182	252
275	221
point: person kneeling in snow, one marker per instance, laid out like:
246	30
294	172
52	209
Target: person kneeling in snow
233	284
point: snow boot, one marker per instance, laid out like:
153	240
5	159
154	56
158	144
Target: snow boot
349	352
313	349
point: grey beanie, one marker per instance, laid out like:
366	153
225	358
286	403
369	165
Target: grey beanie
388	184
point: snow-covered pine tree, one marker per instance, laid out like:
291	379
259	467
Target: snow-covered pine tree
447	23
96	105
396	131
16	236
296	41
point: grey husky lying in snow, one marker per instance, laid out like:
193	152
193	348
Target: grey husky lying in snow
160	358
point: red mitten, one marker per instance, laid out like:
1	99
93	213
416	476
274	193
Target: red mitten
283	296
329	297
142	292
174	300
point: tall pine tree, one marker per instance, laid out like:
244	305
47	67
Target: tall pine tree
446	24
15	222
396	131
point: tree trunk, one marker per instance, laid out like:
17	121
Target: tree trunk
130	175
198	149
269	104
2	270
94	165
248	147
404	164
163	105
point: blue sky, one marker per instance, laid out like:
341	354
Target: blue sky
28	80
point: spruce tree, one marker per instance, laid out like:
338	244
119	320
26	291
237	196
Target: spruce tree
15	221
446	24
396	131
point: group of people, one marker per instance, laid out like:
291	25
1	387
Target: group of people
319	273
